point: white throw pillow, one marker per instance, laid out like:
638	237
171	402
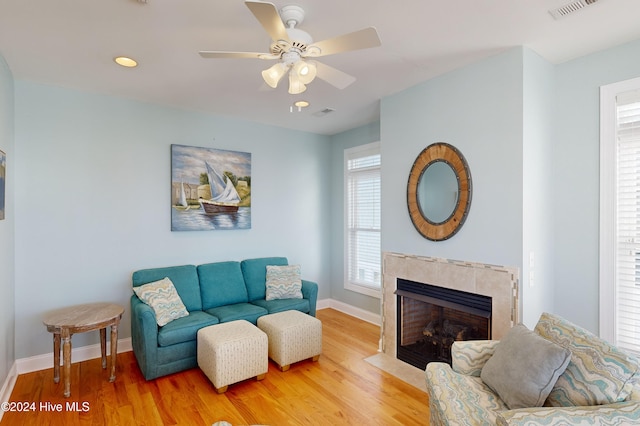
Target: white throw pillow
163	299
283	282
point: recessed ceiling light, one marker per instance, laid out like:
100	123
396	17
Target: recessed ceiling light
125	62
299	104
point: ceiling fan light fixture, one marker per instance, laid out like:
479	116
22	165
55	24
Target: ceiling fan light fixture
295	85
291	46
306	71
273	74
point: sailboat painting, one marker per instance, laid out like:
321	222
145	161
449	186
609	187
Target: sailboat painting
224	196
210	189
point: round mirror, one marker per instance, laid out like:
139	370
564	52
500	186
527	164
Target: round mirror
439	191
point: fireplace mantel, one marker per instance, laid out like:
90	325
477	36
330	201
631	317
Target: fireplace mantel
498	282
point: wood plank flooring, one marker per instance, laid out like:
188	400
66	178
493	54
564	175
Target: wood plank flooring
340	389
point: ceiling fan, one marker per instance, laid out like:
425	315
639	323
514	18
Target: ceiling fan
294	48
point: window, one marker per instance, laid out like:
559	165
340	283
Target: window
620	214
362	219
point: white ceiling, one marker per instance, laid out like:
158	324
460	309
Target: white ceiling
72	43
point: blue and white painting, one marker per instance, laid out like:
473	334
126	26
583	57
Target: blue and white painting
3	173
210	189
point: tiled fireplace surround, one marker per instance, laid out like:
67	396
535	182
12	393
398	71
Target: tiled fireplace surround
498	282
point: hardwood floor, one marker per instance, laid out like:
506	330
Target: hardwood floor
340	389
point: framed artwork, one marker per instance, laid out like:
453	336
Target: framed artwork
210	189
3	173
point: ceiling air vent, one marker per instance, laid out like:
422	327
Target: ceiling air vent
323	112
569	8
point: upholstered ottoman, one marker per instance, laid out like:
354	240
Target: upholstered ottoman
231	352
293	336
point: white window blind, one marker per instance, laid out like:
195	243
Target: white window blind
362	233
627	296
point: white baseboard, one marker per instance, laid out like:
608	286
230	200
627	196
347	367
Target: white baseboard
84	353
7	386
350	310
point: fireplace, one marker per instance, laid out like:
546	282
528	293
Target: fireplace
431	318
499	284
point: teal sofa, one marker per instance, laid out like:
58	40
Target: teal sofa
212	293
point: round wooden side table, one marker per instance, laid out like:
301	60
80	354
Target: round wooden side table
63	323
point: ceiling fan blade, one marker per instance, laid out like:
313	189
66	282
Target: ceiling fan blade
267	14
362	39
236	55
333	76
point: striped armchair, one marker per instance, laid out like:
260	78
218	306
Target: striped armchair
600	386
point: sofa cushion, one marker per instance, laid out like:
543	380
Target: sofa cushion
283	282
255	274
185	329
164	300
221	284
245	311
598	373
524	368
184	279
279	305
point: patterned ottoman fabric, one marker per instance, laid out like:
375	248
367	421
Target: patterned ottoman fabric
231	352
293	336
464	398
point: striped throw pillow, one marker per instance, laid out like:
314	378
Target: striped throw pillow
163	299
283	282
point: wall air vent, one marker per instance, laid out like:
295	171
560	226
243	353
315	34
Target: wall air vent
323	112
570	8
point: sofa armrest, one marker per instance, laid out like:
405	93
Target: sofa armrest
310	292
619	413
144	336
459	399
469	356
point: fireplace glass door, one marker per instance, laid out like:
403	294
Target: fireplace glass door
431	318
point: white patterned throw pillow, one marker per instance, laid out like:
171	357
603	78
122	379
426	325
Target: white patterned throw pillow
283	282
163	299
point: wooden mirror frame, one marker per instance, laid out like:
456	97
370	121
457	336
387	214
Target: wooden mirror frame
439	151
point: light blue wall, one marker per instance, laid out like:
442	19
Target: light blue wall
7	239
537	289
575	162
478	109
93	200
530	132
359	136
92	203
